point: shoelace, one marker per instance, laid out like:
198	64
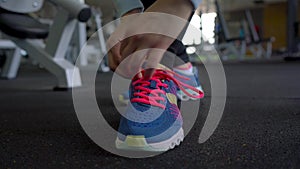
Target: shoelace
150	95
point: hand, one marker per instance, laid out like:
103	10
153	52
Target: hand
140	35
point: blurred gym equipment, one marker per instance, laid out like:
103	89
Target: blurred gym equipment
30	34
293	32
256	43
226	44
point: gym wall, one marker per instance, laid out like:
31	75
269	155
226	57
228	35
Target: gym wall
275	23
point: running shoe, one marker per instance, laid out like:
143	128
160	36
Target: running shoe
152	121
192	79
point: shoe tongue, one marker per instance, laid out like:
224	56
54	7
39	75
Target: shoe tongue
153	84
142	106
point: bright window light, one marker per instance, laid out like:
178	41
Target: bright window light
194	36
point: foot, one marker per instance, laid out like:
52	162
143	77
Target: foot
152	120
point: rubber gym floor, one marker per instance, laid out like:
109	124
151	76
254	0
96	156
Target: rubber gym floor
260	127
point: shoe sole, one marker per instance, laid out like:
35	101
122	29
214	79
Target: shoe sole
139	143
122	100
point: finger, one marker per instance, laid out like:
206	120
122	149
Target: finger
111	62
154	57
114	57
115	51
131	65
135	62
128	47
115	37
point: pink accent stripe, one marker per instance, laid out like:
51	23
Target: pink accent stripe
186	68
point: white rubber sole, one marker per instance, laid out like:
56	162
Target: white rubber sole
139	143
122	100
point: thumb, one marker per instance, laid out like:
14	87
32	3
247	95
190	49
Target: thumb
154	57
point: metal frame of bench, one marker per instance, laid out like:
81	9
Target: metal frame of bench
52	54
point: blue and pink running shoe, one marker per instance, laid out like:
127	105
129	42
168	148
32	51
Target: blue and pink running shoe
152	120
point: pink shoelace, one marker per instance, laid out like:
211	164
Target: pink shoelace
152	97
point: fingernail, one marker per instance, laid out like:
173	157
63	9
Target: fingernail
140	75
148	73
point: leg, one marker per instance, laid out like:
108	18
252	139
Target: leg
177	46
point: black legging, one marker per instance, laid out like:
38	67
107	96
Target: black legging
177	46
